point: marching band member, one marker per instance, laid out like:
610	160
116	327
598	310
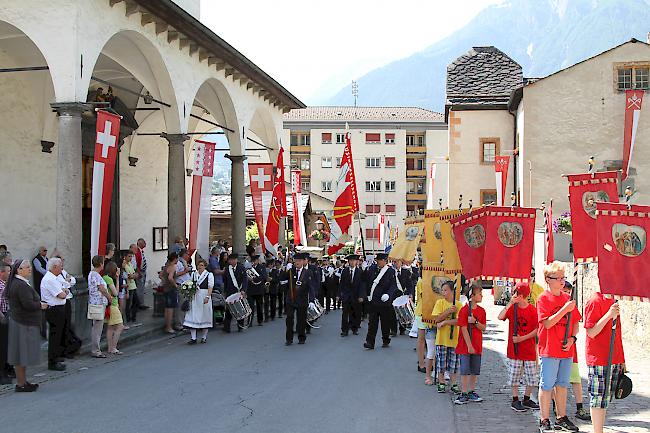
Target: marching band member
283	288
352	292
271	300
234	280
256	290
331	284
299	297
382	290
404	281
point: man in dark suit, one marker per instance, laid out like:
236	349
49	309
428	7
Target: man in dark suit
405	286
352	292
234	280
381	279
271	298
301	293
256	289
283	288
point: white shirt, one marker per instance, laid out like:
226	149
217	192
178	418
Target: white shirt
180	266
65	283
51	286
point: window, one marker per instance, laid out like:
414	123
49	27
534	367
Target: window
340	138
373	186
488	196
410	140
372	233
633	77
305	186
294	139
489	149
326	162
326	137
306	140
390	185
326	186
301	139
373	138
160	238
373	208
390	209
412	210
304	164
390	138
338	162
420	140
389	161
420	164
373	162
294	164
415	187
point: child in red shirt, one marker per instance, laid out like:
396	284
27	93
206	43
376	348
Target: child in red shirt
599	314
522	356
470	347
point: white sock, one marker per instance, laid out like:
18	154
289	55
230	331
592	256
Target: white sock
193	333
204	333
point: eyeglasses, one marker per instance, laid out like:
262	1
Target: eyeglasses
563	278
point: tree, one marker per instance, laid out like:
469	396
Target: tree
252	232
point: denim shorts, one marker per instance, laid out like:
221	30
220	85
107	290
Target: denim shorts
470	365
554	372
430	334
171	298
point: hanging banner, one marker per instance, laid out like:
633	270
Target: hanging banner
432	181
299	231
407	242
623	256
469	231
261	178
509	238
432	243
585	190
550	239
201	193
388	245
106	150
277	208
381	230
501	164
633	101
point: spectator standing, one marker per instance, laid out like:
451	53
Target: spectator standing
183	273
24	339
114	322
97	295
67	282
177	246
5	270
40	269
110	254
170	289
130	275
141	268
54	295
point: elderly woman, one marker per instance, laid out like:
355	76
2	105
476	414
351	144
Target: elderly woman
114	322
200	314
98	296
25	322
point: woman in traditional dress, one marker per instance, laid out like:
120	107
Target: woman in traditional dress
200	314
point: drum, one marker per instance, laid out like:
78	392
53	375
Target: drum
315	311
238	306
404	310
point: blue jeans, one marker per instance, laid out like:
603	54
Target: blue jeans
554	372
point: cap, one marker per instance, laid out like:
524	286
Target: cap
381	256
352	257
523	289
302	256
255	256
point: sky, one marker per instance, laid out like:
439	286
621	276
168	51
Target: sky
314	49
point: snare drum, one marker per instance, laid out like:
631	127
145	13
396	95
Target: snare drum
238	306
404	310
315	311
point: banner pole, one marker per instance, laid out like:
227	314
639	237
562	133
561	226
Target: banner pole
363	243
610	357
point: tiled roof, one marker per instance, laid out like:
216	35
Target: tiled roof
368	114
220	205
482	76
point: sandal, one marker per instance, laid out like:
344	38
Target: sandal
117	352
428	381
98	355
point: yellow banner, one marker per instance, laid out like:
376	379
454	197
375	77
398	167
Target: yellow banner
451	258
432	243
407	242
431	284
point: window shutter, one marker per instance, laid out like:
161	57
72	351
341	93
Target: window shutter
390	161
390	136
390	208
373	138
410	163
326	137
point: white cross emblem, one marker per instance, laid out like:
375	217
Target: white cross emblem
106	139
261	178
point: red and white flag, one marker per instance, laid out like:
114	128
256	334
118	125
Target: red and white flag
261	177
201	193
633	101
299	231
278	207
382	231
501	164
346	203
432	181
106	149
550	240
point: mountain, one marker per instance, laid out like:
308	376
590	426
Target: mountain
541	35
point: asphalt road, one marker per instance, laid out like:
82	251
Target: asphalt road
241	382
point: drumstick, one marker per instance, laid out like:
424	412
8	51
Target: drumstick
514	332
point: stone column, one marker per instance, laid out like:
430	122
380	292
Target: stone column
68	183
237	204
176	224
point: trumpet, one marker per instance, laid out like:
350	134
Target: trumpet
252	274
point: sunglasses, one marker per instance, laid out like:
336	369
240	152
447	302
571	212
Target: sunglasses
557	278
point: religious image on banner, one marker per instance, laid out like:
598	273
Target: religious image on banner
431	292
623	257
261	178
469	231
451	258
407	242
199	230
510	236
585	191
431	244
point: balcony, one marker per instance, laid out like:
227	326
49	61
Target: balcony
411	196
416	148
416	173
300	149
305	173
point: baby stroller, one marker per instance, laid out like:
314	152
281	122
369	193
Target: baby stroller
218	307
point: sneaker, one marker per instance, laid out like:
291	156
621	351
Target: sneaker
530	404
565	424
545	426
474	397
442	388
583	415
27	387
462	399
455	388
518	406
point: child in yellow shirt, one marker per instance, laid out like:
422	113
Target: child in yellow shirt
445	315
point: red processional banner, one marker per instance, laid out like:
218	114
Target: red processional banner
201	193
501	164
509	238
623	258
548	227
469	231
585	190
278	206
633	101
299	232
106	149
261	178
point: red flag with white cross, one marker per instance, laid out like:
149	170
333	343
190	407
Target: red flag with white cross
261	178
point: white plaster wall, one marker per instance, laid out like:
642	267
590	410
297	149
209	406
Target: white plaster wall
578	113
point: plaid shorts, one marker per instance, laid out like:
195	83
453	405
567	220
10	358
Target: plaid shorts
518	368
596	385
446	359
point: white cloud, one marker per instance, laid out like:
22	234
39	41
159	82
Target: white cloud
313	48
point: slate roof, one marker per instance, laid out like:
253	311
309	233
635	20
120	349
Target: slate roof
483	76
367	114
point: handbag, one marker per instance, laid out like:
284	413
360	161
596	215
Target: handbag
185	306
96	312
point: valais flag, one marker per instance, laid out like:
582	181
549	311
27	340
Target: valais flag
108	131
346	203
201	193
501	164
278	207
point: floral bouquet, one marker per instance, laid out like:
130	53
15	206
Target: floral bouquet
563	223
187	291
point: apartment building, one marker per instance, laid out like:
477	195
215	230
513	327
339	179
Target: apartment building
392	148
